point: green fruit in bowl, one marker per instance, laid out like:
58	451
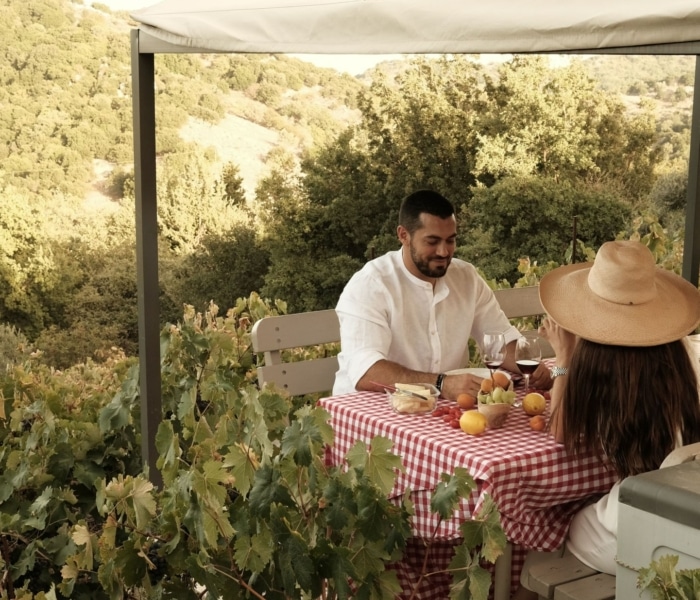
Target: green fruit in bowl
497	396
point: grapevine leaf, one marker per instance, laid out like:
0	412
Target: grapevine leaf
130	563
371	513
116	414
253	553
479	582
168	446
208	482
450	491
297	566
143	502
340	504
81	536
303	439
378	464
485	531
242	467
268	488
366	559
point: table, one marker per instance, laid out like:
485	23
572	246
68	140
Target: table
537	487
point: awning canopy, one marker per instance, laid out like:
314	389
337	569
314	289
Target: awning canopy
419	26
378	27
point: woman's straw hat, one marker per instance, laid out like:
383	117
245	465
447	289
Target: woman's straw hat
622	298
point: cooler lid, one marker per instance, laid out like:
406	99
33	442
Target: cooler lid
672	493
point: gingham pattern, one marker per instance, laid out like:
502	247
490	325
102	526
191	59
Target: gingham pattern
536	486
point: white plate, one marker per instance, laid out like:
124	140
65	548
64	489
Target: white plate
478	372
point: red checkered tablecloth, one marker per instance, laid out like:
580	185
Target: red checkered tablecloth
535	484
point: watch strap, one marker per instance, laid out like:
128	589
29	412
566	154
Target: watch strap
438	382
558	371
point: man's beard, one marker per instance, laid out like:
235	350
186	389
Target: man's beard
424	266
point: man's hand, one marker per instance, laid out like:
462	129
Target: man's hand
463	383
541	379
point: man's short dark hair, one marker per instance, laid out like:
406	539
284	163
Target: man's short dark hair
423	201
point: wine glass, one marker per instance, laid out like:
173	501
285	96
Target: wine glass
528	355
494	350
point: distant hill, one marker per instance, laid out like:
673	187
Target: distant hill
66	119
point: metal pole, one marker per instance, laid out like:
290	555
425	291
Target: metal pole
143	95
691	247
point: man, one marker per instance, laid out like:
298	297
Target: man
407	316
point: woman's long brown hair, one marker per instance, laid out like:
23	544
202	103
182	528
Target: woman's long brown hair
630	405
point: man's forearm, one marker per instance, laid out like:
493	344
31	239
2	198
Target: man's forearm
387	372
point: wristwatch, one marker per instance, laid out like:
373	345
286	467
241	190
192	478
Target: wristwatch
558	371
439	382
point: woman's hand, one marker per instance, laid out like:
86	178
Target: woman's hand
562	341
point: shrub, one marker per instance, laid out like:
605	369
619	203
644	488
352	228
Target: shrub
248	507
14	346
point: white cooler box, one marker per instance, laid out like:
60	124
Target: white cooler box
659	514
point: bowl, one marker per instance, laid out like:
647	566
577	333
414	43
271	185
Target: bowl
403	401
496	414
498	397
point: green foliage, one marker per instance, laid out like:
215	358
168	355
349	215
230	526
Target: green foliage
248	506
225	267
664	582
534	217
14	346
521	153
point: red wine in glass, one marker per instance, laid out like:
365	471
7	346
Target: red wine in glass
527	367
493	349
528	355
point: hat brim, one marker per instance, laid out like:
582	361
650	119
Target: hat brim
673	314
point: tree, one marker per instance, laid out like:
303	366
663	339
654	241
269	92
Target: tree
533	217
191	203
26	264
233	185
555	122
227	266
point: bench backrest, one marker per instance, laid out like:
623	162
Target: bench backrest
272	335
524	302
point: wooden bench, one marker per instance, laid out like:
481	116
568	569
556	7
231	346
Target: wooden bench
567	578
273	335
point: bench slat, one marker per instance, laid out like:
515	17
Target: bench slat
596	587
545	576
304	377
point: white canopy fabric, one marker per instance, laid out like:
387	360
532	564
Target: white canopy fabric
420	26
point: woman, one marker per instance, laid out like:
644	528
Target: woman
625	385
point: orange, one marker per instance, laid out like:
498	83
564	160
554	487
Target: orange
473	422
486	385
538	422
466	401
534	403
501	380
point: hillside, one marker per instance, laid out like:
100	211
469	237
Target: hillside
242	106
65	128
